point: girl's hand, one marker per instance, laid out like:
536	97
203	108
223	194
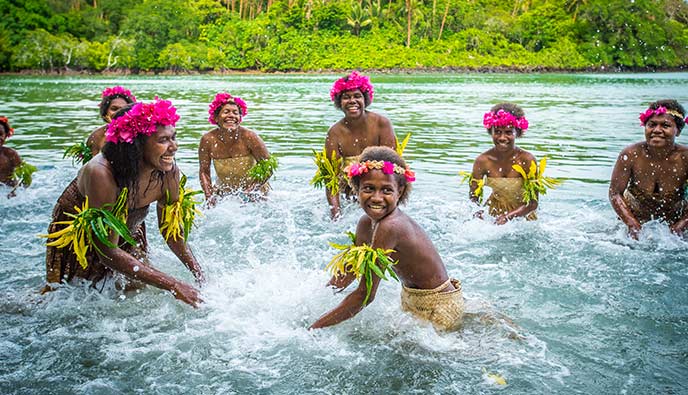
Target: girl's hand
187	294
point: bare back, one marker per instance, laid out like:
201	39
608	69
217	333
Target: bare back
418	263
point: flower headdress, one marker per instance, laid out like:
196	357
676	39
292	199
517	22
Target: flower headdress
6	122
118	91
142	118
359	168
220	100
351	82
503	118
649	113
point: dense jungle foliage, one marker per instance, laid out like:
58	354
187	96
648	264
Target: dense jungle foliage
309	35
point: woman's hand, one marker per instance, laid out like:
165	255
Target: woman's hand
187	294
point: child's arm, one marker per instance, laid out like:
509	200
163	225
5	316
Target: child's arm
342	281
349	307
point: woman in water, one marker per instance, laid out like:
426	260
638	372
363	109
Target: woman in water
135	168
234	150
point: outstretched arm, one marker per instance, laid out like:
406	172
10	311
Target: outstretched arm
621	176
100	188
349	307
181	249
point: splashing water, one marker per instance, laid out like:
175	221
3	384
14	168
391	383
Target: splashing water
565	304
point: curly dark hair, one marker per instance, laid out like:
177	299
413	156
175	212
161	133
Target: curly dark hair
672	105
338	99
385	154
511	108
125	158
105	103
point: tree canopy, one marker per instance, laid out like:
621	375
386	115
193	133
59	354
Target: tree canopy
312	35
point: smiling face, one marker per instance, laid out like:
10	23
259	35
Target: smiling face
229	117
504	137
353	103
661	131
115	105
378	194
160	147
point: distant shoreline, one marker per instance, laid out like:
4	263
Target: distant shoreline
477	70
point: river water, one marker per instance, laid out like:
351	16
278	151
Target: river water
592	310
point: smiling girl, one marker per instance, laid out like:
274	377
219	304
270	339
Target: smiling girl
358	129
112	100
504	122
135	168
381	180
234	150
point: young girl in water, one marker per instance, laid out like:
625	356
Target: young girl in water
235	151
381	180
504	122
112	100
9	158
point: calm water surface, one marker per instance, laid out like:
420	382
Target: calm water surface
593	311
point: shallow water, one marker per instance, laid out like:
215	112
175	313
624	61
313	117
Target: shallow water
594	311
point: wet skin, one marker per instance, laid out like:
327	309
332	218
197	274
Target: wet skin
96	140
497	162
655	167
96	181
228	140
418	263
9	160
352	134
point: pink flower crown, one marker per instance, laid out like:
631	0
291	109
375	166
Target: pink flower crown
503	118
118	90
10	130
359	168
220	100
142	118
649	113
351	82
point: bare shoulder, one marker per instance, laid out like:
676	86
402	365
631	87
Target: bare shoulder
99	131
633	149
395	225
379	119
209	136
11	154
95	179
249	134
525	156
336	129
483	159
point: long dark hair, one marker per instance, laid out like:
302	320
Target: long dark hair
125	159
